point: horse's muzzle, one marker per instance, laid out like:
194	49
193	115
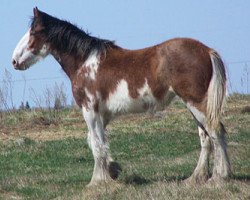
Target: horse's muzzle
17	65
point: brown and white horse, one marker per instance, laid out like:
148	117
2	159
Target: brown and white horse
108	80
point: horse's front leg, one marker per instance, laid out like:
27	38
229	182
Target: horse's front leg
98	145
103	167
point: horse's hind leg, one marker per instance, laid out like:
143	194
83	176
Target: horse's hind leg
216	136
221	168
201	172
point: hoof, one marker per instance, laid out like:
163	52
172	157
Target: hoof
91	185
196	180
216	180
114	170
109	176
94	183
97	183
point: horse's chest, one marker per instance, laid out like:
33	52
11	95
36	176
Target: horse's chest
80	86
84	80
78	93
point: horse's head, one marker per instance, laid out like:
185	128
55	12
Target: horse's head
32	47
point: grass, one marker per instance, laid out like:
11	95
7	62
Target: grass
53	161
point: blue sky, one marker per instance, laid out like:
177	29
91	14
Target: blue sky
223	25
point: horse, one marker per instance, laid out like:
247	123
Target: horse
108	80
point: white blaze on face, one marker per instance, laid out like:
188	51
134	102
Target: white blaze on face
23	56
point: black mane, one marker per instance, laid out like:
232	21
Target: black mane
68	38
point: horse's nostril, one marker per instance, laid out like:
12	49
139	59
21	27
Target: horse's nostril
14	62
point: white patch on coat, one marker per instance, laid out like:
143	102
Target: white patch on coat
44	51
121	102
91	64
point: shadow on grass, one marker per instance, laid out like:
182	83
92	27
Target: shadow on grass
135	179
175	178
243	178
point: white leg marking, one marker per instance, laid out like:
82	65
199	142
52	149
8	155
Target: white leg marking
222	167
98	144
201	171
221	160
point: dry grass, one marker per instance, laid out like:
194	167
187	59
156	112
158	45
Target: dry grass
156	153
165	190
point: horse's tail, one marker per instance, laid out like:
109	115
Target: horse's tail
216	91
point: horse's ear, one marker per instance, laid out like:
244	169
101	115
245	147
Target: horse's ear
36	12
39	25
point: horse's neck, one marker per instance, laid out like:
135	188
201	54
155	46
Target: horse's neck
68	63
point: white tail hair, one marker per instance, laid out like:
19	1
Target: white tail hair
216	91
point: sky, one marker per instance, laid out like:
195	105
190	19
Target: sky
222	25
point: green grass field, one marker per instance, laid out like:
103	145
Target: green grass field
52	160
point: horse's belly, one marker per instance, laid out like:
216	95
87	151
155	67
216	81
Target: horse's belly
129	105
121	102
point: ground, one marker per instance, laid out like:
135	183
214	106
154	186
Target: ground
44	155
